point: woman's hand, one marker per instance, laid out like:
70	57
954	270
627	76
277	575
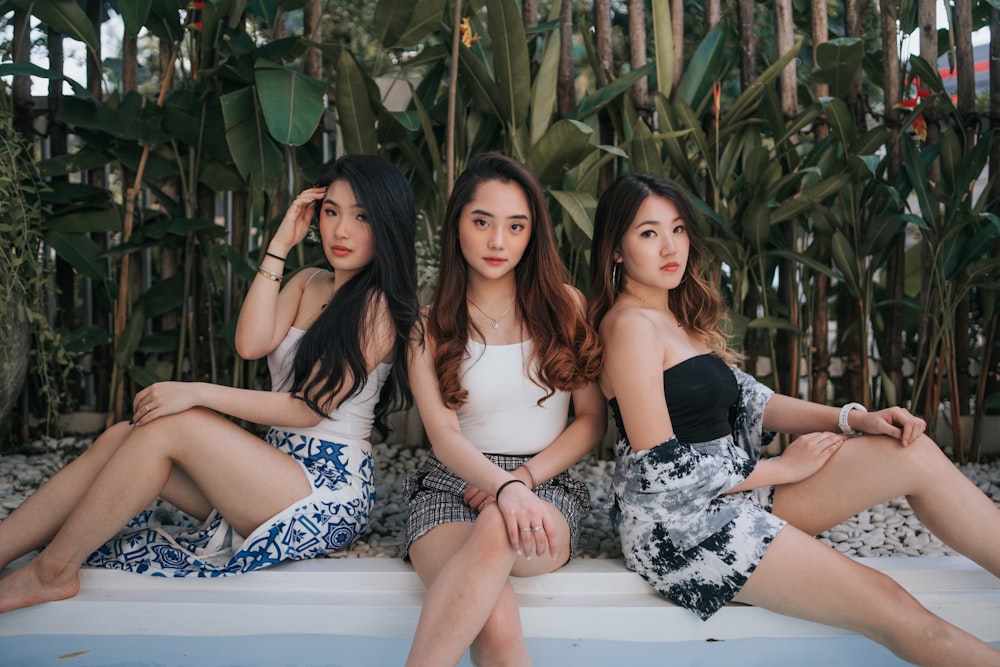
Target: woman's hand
162	399
895	422
295	225
476	498
527	525
808	453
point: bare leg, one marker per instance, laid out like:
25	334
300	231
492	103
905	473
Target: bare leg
469	599
501	642
41	515
801	577
221	459
870	470
38	518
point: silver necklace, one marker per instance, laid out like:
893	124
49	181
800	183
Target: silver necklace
495	320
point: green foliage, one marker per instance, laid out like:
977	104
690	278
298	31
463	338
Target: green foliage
26	301
243	118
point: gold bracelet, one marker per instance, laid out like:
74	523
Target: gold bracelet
276	277
531	474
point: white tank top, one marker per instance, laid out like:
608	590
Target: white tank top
502	415
351	422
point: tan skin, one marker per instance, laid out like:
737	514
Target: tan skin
466	566
178	446
820	480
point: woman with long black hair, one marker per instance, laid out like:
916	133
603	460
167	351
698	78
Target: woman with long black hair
336	344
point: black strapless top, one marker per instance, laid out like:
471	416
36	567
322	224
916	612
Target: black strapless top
701	393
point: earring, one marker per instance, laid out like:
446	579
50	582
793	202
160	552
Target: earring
616	275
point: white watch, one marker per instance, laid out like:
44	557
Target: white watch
845	428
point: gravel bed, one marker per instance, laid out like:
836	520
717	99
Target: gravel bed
889	529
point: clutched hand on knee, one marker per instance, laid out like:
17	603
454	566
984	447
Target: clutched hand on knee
895	422
525	516
162	399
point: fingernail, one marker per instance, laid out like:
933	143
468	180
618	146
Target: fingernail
131	422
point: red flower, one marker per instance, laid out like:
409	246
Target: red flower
717	103
919	123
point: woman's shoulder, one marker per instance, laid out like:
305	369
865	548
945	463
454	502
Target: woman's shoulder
310	275
624	324
310	283
575	297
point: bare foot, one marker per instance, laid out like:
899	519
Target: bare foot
26	587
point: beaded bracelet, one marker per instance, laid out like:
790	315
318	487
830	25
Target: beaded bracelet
276	277
505	485
278	257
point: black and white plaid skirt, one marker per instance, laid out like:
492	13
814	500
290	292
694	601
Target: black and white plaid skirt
434	494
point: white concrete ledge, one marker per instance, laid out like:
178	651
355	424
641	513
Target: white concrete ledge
592	599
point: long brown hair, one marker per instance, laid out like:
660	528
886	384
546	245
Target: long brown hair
696	303
566	352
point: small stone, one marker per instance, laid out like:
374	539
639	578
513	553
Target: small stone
888	529
874	539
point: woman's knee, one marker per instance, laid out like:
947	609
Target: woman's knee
926	462
179	428
925	449
108	442
490	529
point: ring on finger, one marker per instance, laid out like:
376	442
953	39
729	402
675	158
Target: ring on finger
536	528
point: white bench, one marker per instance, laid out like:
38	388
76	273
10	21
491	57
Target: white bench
590	599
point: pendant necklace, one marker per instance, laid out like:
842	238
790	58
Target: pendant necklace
495	320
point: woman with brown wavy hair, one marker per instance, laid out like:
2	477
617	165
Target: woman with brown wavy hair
701	516
507	351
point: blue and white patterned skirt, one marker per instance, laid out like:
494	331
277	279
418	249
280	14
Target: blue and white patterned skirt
327	520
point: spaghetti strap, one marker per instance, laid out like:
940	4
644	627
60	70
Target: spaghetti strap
315	273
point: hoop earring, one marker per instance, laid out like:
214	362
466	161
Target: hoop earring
616	276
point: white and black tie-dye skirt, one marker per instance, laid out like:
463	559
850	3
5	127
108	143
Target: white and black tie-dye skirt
694	543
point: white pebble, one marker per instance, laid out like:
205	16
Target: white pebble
890	528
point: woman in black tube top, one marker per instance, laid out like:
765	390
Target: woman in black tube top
701	516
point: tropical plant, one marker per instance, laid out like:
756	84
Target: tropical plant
224	121
33	350
793	193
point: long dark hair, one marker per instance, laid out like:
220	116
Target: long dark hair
696	303
333	345
566	350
